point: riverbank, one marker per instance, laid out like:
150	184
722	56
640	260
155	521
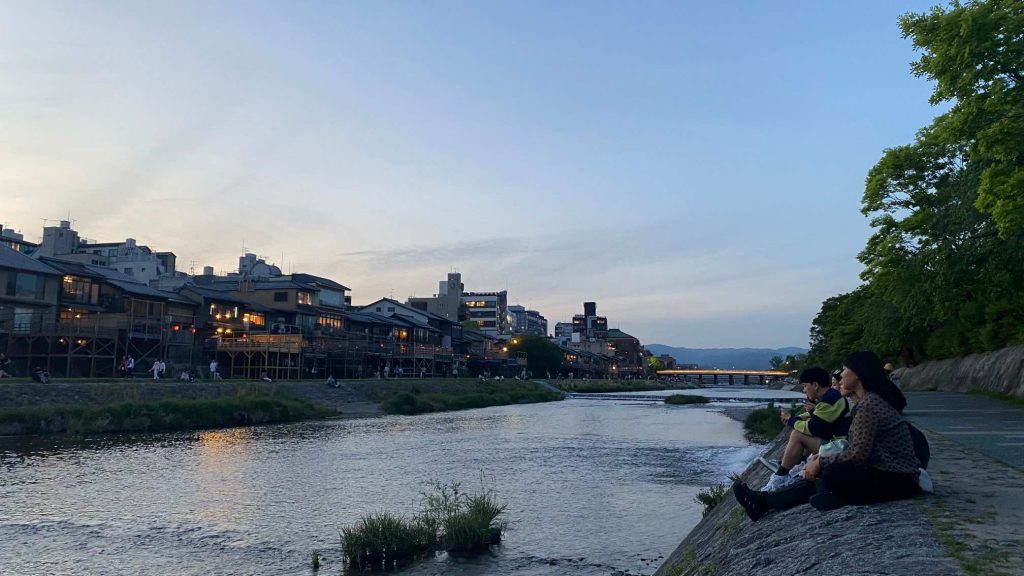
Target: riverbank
972	524
588	386
64	401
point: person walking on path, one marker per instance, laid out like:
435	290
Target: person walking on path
214	374
155	369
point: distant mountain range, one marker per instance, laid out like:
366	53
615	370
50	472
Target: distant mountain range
738	358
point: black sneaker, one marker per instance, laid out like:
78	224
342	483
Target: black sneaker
826	501
753	502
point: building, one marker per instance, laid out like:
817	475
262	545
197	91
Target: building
527	321
628	353
489	310
16	241
563	333
447	302
589	324
79	320
130	258
422	344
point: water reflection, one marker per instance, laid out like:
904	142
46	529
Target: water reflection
593	487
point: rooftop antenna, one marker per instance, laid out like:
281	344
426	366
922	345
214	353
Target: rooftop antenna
191	267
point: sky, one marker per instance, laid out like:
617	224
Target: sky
696	168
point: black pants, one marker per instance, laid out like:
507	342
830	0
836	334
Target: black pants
855	483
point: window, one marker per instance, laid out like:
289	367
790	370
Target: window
80	290
24	318
391	308
304	298
129	271
25	285
280	296
378	308
254	319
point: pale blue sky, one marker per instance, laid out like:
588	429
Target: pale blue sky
695	168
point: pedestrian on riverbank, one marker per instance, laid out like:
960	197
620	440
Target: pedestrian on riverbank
155	369
5	366
214	374
878	465
129	366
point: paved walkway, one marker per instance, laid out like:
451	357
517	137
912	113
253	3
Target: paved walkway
977	510
989	426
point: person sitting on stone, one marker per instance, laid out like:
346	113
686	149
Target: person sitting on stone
827	416
879	463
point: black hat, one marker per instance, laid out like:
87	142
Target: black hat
838	374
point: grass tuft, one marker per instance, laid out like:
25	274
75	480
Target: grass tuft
686	399
450	520
711	496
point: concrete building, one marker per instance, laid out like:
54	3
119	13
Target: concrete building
16	241
589	324
446	302
140	262
527	321
489	310
563	333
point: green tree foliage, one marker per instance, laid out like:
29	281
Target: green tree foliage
944	265
542	356
654	364
974	52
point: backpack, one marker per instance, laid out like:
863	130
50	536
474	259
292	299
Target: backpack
921	448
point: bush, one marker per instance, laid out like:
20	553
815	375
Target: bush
686	399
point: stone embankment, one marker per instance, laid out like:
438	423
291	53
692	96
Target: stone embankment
972	524
893	538
999	371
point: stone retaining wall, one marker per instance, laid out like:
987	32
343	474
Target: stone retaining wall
1000	371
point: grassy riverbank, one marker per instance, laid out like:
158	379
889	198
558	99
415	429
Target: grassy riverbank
598	386
164	415
415	397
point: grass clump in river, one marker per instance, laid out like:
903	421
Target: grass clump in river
157	416
686	399
764	424
480	395
451	520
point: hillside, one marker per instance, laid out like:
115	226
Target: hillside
738	358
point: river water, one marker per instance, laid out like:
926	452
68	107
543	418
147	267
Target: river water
593	487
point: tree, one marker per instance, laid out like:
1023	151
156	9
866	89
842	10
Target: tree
542	356
943	266
974	52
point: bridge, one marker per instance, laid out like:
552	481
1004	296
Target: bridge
762	375
780	399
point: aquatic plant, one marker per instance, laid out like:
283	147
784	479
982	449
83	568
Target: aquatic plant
449	520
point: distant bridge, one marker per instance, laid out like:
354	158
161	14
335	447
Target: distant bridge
761	375
654	398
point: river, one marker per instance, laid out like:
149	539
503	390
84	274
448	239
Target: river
593	488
